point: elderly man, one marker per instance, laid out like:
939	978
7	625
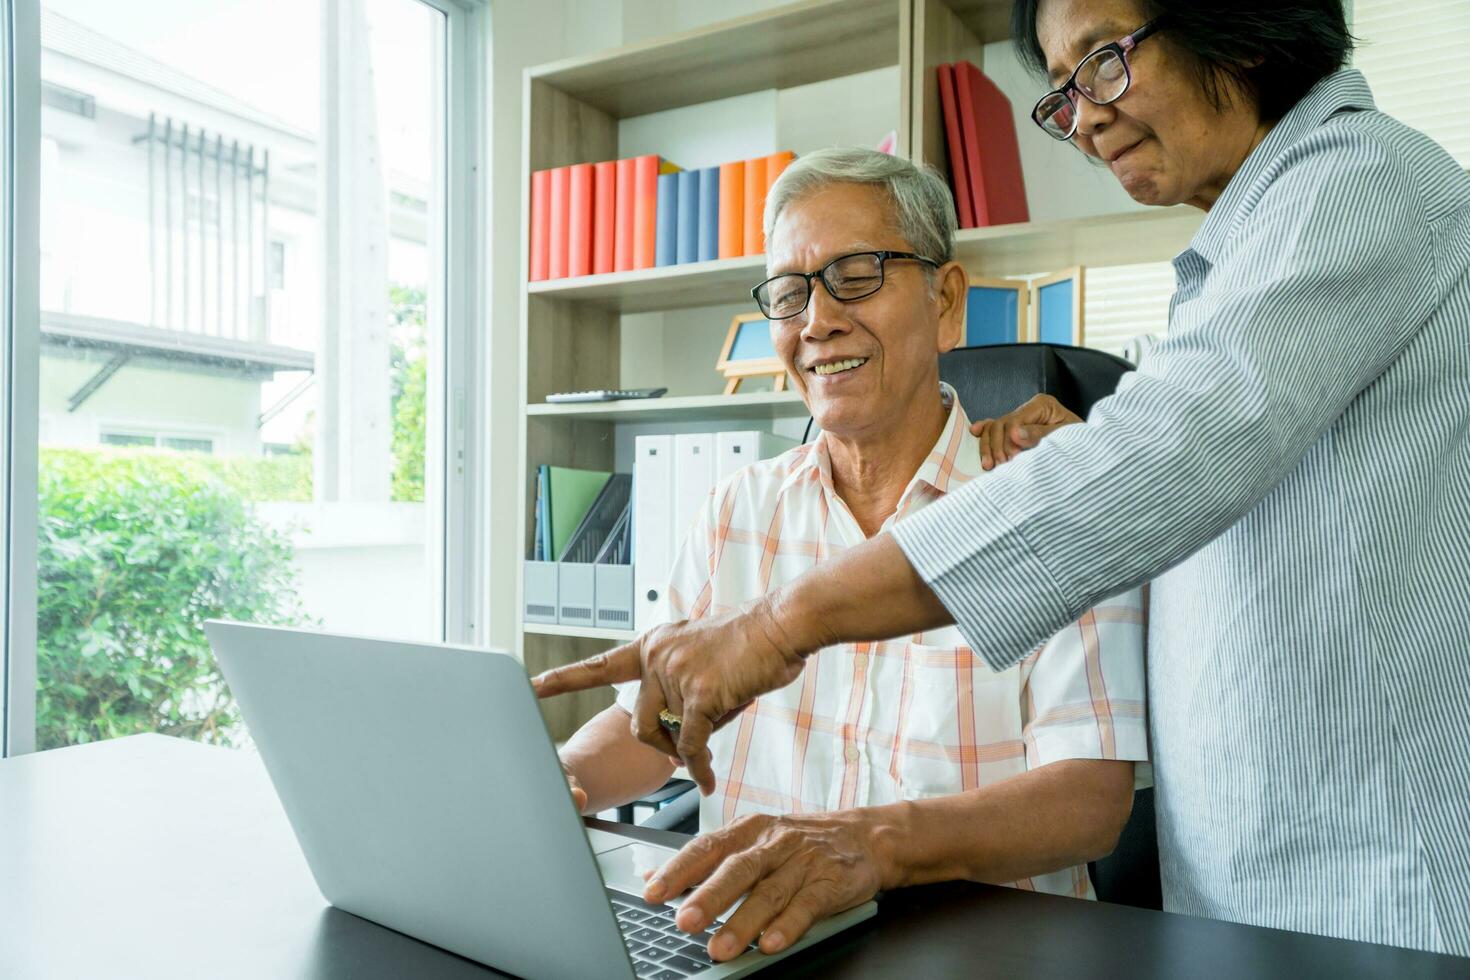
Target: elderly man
890	763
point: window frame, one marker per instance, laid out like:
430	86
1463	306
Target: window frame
455	464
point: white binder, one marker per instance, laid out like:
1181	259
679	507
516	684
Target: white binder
653	524
694	476
736	450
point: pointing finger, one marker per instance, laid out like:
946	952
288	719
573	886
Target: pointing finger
612	667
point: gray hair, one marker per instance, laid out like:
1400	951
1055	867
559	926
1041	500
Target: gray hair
923	208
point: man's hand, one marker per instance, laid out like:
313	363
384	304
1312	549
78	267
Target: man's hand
1020	429
797	870
704	671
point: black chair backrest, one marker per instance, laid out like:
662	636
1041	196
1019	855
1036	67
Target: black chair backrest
993	380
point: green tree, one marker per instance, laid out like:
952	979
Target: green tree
408	316
136	550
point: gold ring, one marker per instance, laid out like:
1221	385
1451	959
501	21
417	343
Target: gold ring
669	721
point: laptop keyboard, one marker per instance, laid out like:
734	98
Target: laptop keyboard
660	949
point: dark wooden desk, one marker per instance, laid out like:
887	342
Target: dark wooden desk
151	857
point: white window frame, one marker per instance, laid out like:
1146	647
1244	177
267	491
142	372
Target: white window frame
20	405
457	396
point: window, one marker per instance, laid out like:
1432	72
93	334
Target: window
1413	55
277	459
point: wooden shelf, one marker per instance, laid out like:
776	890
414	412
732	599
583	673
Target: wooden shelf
1154	235
990	20
796	44
583	632
689	408
670	287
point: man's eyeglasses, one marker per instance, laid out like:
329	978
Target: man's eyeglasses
847	277
1102	77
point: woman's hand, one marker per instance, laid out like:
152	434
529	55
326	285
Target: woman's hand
1020	429
797	869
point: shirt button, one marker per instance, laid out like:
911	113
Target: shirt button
860	660
852	753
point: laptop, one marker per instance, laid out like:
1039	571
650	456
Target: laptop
427	796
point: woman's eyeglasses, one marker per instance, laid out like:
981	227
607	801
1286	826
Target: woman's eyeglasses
847	277
1102	77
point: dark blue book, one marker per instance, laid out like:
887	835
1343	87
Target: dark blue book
709	214
666	237
688	247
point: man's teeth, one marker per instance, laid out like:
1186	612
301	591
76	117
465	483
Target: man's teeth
838	366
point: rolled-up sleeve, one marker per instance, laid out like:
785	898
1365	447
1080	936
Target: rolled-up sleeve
1317	287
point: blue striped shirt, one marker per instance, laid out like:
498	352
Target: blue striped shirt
1291	468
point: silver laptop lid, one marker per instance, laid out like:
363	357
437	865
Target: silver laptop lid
378	751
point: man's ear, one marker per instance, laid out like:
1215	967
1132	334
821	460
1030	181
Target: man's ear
951	295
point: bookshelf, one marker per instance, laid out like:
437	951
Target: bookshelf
573	331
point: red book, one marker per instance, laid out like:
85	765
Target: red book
579	235
604	180
732	209
755	203
997	187
959	174
623	217
645	210
561	191
540	225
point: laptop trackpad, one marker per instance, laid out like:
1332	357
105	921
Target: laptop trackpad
623	868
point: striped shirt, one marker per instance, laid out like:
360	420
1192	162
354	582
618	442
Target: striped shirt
874	723
1291	467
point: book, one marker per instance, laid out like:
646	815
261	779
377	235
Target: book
687	247
959	173
755	202
540	247
732	209
623	216
543	522
646	170
776	163
666	221
569	494
579	221
709	214
997	186
561	189
604	213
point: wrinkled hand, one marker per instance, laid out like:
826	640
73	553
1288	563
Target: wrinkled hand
1020	429
704	670
797	869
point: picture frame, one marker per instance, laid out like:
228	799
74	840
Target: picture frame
996	312
749	353
1056	307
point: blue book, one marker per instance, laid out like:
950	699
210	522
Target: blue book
666	236
543	511
709	214
688	247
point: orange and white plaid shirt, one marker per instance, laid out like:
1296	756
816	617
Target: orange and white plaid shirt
874	723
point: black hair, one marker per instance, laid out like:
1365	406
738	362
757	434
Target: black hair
1276	50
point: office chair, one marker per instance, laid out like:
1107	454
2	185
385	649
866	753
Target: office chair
991	381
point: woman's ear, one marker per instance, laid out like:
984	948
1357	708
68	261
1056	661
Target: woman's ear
951	295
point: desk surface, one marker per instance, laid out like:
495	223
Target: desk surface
152	857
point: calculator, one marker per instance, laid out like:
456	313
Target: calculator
605	395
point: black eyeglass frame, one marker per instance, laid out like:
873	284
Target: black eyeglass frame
1122	47
884	255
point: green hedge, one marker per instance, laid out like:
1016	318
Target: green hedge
137	549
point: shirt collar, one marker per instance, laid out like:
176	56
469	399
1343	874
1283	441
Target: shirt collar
1345	89
953	459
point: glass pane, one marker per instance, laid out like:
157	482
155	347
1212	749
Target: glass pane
242	284
5	305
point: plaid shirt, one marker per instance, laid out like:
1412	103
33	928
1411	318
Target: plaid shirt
874	723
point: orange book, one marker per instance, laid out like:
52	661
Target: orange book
732	209
604	180
623	216
579	220
755	206
561	187
645	207
540	225
775	163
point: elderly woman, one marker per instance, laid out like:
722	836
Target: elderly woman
1291	468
